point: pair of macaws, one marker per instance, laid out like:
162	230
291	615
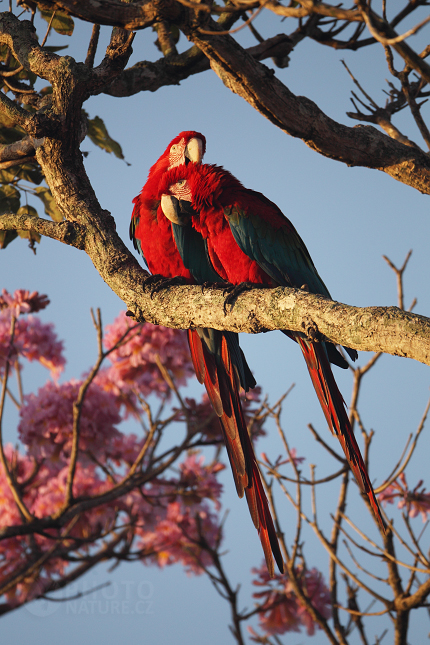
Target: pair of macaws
198	222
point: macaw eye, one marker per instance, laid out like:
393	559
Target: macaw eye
181	182
173	148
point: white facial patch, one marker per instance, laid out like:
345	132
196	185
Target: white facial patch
169	206
194	150
181	190
177	154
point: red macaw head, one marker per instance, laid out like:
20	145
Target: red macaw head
176	188
203	185
187	147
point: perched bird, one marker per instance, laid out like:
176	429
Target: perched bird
150	230
175	251
249	240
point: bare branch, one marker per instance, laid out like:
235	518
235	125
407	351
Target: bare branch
67	232
114	13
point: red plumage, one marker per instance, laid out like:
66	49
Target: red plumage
150	230
152	236
252	240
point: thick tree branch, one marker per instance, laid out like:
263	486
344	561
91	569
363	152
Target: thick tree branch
66	232
18	151
148	76
300	117
385	329
114	13
297	116
20	37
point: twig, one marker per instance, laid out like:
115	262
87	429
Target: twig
401	468
236	29
397	39
399	275
10	480
326	446
49	28
92	47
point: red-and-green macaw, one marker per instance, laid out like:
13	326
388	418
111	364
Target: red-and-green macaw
248	239
217	357
150	230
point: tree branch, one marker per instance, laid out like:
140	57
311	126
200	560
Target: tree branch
301	118
19	150
148	76
114	13
66	232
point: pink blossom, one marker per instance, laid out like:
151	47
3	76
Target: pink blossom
46	425
22	468
178	537
201	417
37	341
134	365
33	340
181	520
281	610
86	483
23	302
14	551
43	493
415	501
199	480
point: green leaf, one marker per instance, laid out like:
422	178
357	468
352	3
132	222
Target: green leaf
51	208
9	199
63	24
4	51
53	48
25	75
30	235
27	210
8	132
6	237
8	175
30	172
99	135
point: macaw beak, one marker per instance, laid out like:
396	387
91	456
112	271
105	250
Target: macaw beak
173	211
194	151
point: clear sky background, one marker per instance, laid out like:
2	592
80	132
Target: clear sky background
348	218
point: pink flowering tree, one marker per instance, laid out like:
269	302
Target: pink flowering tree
78	488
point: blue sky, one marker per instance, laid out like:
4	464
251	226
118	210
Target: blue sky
348	218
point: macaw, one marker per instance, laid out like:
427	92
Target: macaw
249	240
217	358
150	230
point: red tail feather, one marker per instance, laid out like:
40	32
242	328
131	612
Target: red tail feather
219	376
334	410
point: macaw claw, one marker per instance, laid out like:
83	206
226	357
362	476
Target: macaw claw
156	283
234	290
213	286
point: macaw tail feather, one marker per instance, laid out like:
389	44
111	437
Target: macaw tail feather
215	368
334	410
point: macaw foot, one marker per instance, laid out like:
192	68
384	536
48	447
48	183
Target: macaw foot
213	286
156	283
234	290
